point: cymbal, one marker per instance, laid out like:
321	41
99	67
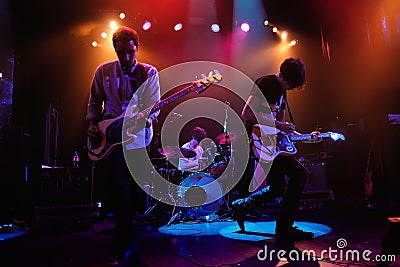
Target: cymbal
224	139
176	152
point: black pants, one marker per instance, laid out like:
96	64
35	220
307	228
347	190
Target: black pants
282	167
115	185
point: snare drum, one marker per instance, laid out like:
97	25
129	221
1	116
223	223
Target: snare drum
197	189
218	168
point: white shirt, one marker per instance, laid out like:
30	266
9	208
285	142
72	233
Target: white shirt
191	164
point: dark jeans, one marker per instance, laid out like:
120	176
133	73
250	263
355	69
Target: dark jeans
120	191
282	167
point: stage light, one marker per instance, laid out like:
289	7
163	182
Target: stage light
266	22
103	35
293	42
245	27
113	25
146	25
215	27
284	35
178	27
274	29
94	44
122	15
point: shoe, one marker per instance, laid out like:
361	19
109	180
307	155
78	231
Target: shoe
239	212
130	259
292	233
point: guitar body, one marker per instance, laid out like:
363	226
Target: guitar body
268	146
112	135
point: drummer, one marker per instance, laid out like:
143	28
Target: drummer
190	165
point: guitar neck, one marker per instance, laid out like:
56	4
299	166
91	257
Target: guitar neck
304	137
167	101
150	110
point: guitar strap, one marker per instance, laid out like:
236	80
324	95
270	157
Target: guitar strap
290	113
139	76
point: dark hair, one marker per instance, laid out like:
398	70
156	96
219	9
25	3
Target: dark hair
198	133
293	71
125	34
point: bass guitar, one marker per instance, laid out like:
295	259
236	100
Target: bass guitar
269	142
121	130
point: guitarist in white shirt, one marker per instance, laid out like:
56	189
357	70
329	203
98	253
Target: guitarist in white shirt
116	86
273	89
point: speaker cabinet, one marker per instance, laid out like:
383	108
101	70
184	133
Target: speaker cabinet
391	237
316	177
64	193
316	188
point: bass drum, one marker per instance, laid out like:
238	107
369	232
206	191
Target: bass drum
197	189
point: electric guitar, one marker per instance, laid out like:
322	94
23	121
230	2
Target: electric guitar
269	142
121	130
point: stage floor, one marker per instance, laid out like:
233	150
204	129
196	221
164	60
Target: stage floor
344	229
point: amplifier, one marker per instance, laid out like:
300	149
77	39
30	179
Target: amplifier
316	188
63	193
316	177
63	186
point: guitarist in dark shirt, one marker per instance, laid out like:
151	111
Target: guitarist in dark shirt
268	102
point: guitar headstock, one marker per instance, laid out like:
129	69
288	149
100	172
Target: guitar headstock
336	136
204	82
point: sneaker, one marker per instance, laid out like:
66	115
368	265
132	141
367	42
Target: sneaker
239	212
293	233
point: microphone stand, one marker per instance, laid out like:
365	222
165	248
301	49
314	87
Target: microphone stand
227	157
227	137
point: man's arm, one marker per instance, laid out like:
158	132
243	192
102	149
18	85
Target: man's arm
287	127
186	164
250	113
282	125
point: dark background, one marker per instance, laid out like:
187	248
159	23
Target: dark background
47	61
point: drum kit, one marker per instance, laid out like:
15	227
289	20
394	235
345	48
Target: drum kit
192	187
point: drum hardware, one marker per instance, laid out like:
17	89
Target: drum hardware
210	154
193	192
224	143
190	190
224	176
214	161
170	175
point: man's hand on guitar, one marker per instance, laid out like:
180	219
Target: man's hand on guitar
285	127
315	138
142	121
94	134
